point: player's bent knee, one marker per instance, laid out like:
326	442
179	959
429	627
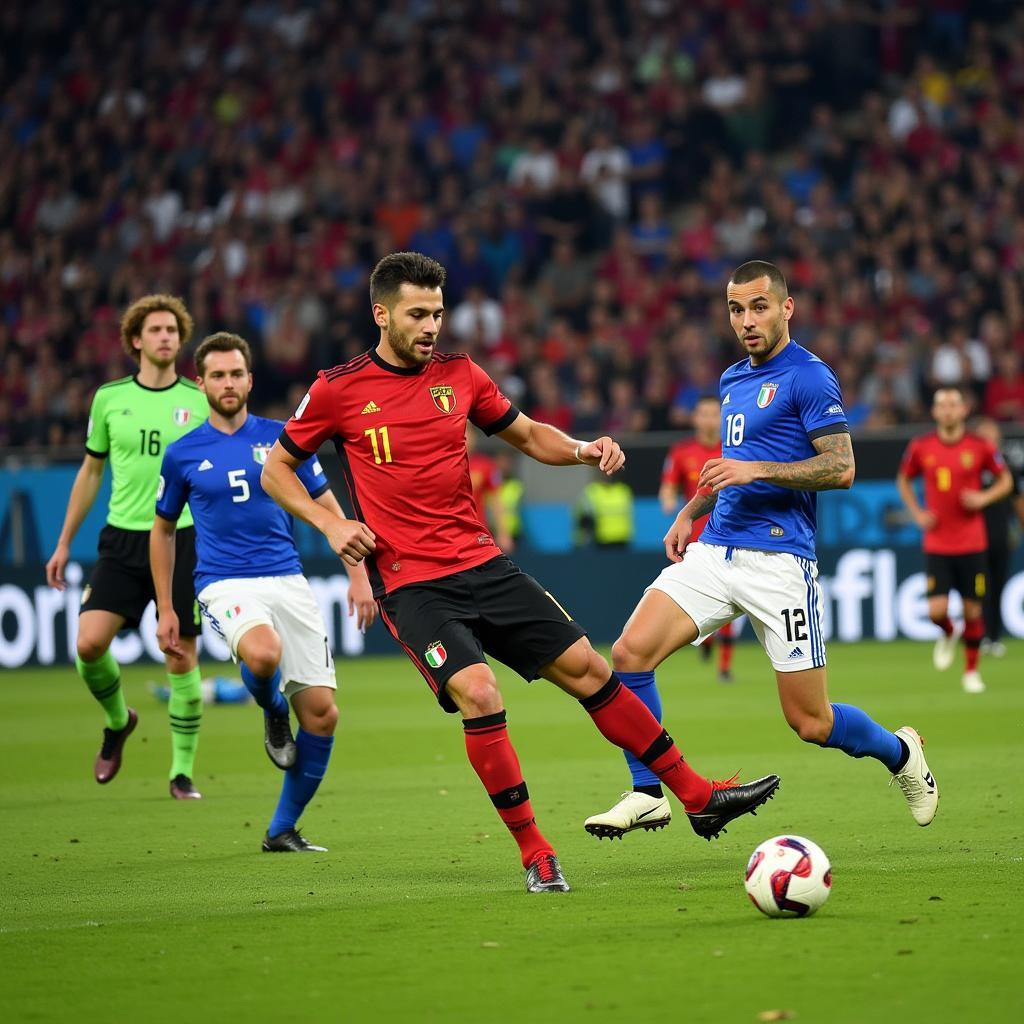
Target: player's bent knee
320	719
811	729
262	655
476	695
628	657
90	649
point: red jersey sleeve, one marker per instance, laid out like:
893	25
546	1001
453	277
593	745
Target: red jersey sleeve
910	464
312	423
491	411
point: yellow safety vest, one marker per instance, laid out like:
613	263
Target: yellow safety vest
611	505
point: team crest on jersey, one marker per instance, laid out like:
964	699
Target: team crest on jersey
444	397
260	452
435	654
182	416
967	459
766	394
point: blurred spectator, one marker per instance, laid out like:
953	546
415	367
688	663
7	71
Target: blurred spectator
1004	393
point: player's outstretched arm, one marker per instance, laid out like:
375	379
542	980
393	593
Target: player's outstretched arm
547	444
360	593
82	497
833	468
161	565
349	539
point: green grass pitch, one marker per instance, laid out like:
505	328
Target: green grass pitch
118	903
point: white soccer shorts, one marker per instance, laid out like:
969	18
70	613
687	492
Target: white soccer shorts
777	590
287	604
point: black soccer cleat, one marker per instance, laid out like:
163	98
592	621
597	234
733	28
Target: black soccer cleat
290	841
278	739
182	789
545	875
729	801
108	760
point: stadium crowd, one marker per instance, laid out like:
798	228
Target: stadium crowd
589	173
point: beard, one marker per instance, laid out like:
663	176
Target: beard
405	348
237	404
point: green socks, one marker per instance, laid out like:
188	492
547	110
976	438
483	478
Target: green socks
103	677
186	711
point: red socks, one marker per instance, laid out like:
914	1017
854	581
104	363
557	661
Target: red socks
946	625
974	631
494	759
725	648
625	721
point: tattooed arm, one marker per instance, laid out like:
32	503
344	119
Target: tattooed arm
831	469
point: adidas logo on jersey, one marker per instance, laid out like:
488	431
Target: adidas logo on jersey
727	399
795	653
205	464
370	407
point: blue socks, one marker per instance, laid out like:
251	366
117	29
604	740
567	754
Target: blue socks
854	733
642	684
266	692
302	780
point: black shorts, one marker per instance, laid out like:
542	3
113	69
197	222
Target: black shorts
121	582
966	574
445	625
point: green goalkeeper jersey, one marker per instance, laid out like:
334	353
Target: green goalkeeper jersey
133	424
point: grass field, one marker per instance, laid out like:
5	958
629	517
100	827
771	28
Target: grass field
118	902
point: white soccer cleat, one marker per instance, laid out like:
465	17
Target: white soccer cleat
945	648
633	811
972	682
915	780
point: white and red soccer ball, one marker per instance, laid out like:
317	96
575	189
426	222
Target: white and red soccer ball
788	876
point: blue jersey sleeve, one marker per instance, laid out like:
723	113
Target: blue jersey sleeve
819	401
171	489
312	476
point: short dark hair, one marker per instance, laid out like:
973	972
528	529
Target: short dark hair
754	269
222	341
400	268
708	398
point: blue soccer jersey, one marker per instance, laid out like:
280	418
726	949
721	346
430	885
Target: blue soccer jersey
240	530
771	413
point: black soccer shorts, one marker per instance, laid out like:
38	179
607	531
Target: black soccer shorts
448	624
121	582
966	574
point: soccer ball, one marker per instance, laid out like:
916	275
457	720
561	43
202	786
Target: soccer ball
788	876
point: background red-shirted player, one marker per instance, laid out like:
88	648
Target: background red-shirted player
951	462
397	415
679	478
485	476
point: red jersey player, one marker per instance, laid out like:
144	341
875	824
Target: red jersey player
679	478
951	462
397	415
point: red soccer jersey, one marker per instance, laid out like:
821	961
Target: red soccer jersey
948	470
401	437
682	471
485	479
